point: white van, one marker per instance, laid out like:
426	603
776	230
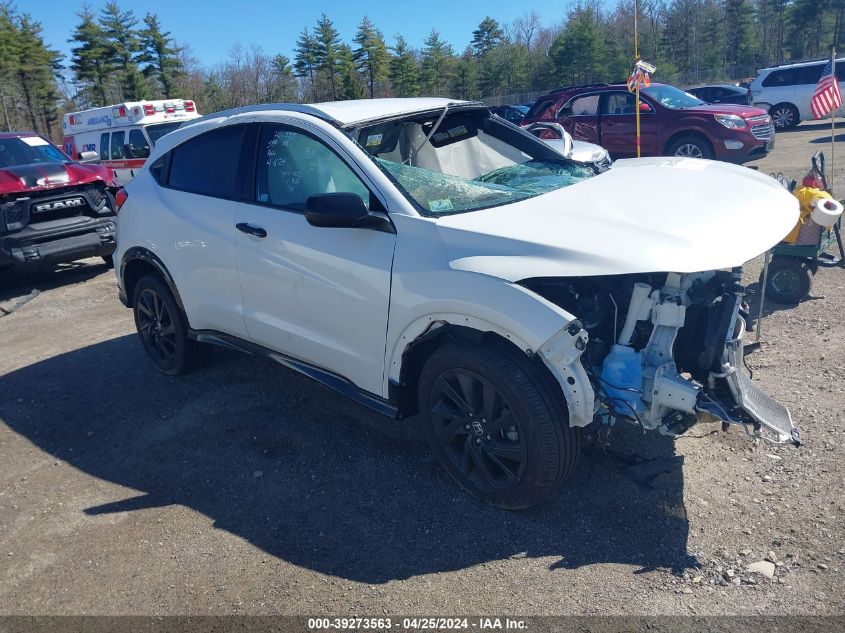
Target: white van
123	134
786	90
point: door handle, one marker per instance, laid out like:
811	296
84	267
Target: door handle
249	229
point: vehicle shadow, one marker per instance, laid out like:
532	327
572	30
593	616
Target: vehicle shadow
839	138
821	126
308	476
752	297
13	285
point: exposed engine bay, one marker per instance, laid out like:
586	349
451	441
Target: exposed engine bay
664	350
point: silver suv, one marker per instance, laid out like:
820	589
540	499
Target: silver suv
786	90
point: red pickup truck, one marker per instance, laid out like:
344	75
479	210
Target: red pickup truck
52	209
672	122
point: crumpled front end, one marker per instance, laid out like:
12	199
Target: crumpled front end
663	351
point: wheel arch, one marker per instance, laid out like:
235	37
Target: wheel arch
405	390
788	104
687	132
137	262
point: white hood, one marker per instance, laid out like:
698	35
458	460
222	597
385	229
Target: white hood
643	215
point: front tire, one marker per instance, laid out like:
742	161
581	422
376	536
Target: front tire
163	328
498	424
691	146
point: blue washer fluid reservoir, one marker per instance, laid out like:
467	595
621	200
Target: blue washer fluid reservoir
622	379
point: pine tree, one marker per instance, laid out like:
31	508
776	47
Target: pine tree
465	85
350	87
283	80
305	59
576	54
328	51
160	54
371	54
438	65
8	44
404	70
124	49
486	36
91	59
36	66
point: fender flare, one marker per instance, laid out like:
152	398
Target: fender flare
140	253
422	325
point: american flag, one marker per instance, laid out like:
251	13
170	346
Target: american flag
827	97
639	76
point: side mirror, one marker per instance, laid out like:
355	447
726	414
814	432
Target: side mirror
89	157
343	210
644	107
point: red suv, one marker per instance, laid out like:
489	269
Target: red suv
672	122
52	209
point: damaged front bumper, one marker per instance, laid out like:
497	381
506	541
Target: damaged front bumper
690	368
751	405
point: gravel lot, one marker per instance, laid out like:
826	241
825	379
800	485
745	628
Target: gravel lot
245	488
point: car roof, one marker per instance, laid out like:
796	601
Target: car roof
16	134
734	86
359	110
346	113
806	62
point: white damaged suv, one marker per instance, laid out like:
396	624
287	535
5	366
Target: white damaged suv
424	256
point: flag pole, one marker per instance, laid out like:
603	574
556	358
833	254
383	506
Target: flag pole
832	123
636	59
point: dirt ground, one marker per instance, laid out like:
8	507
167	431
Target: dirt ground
245	488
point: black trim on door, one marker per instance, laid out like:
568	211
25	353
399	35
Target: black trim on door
334	381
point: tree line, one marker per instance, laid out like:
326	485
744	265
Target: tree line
117	56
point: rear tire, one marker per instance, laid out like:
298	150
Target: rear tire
790	279
785	116
163	329
498	424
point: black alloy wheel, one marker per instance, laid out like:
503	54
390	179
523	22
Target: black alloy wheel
498	422
478	430
163	328
156	327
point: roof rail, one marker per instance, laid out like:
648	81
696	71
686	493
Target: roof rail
803	61
578	87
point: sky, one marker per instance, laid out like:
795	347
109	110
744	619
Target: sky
212	27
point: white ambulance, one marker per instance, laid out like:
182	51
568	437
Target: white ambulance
123	134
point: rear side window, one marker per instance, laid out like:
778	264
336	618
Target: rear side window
158	170
117	141
582	106
810	74
208	164
778	78
104	146
541	106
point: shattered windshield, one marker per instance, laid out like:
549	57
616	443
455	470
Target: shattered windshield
440	194
672	98
466	160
